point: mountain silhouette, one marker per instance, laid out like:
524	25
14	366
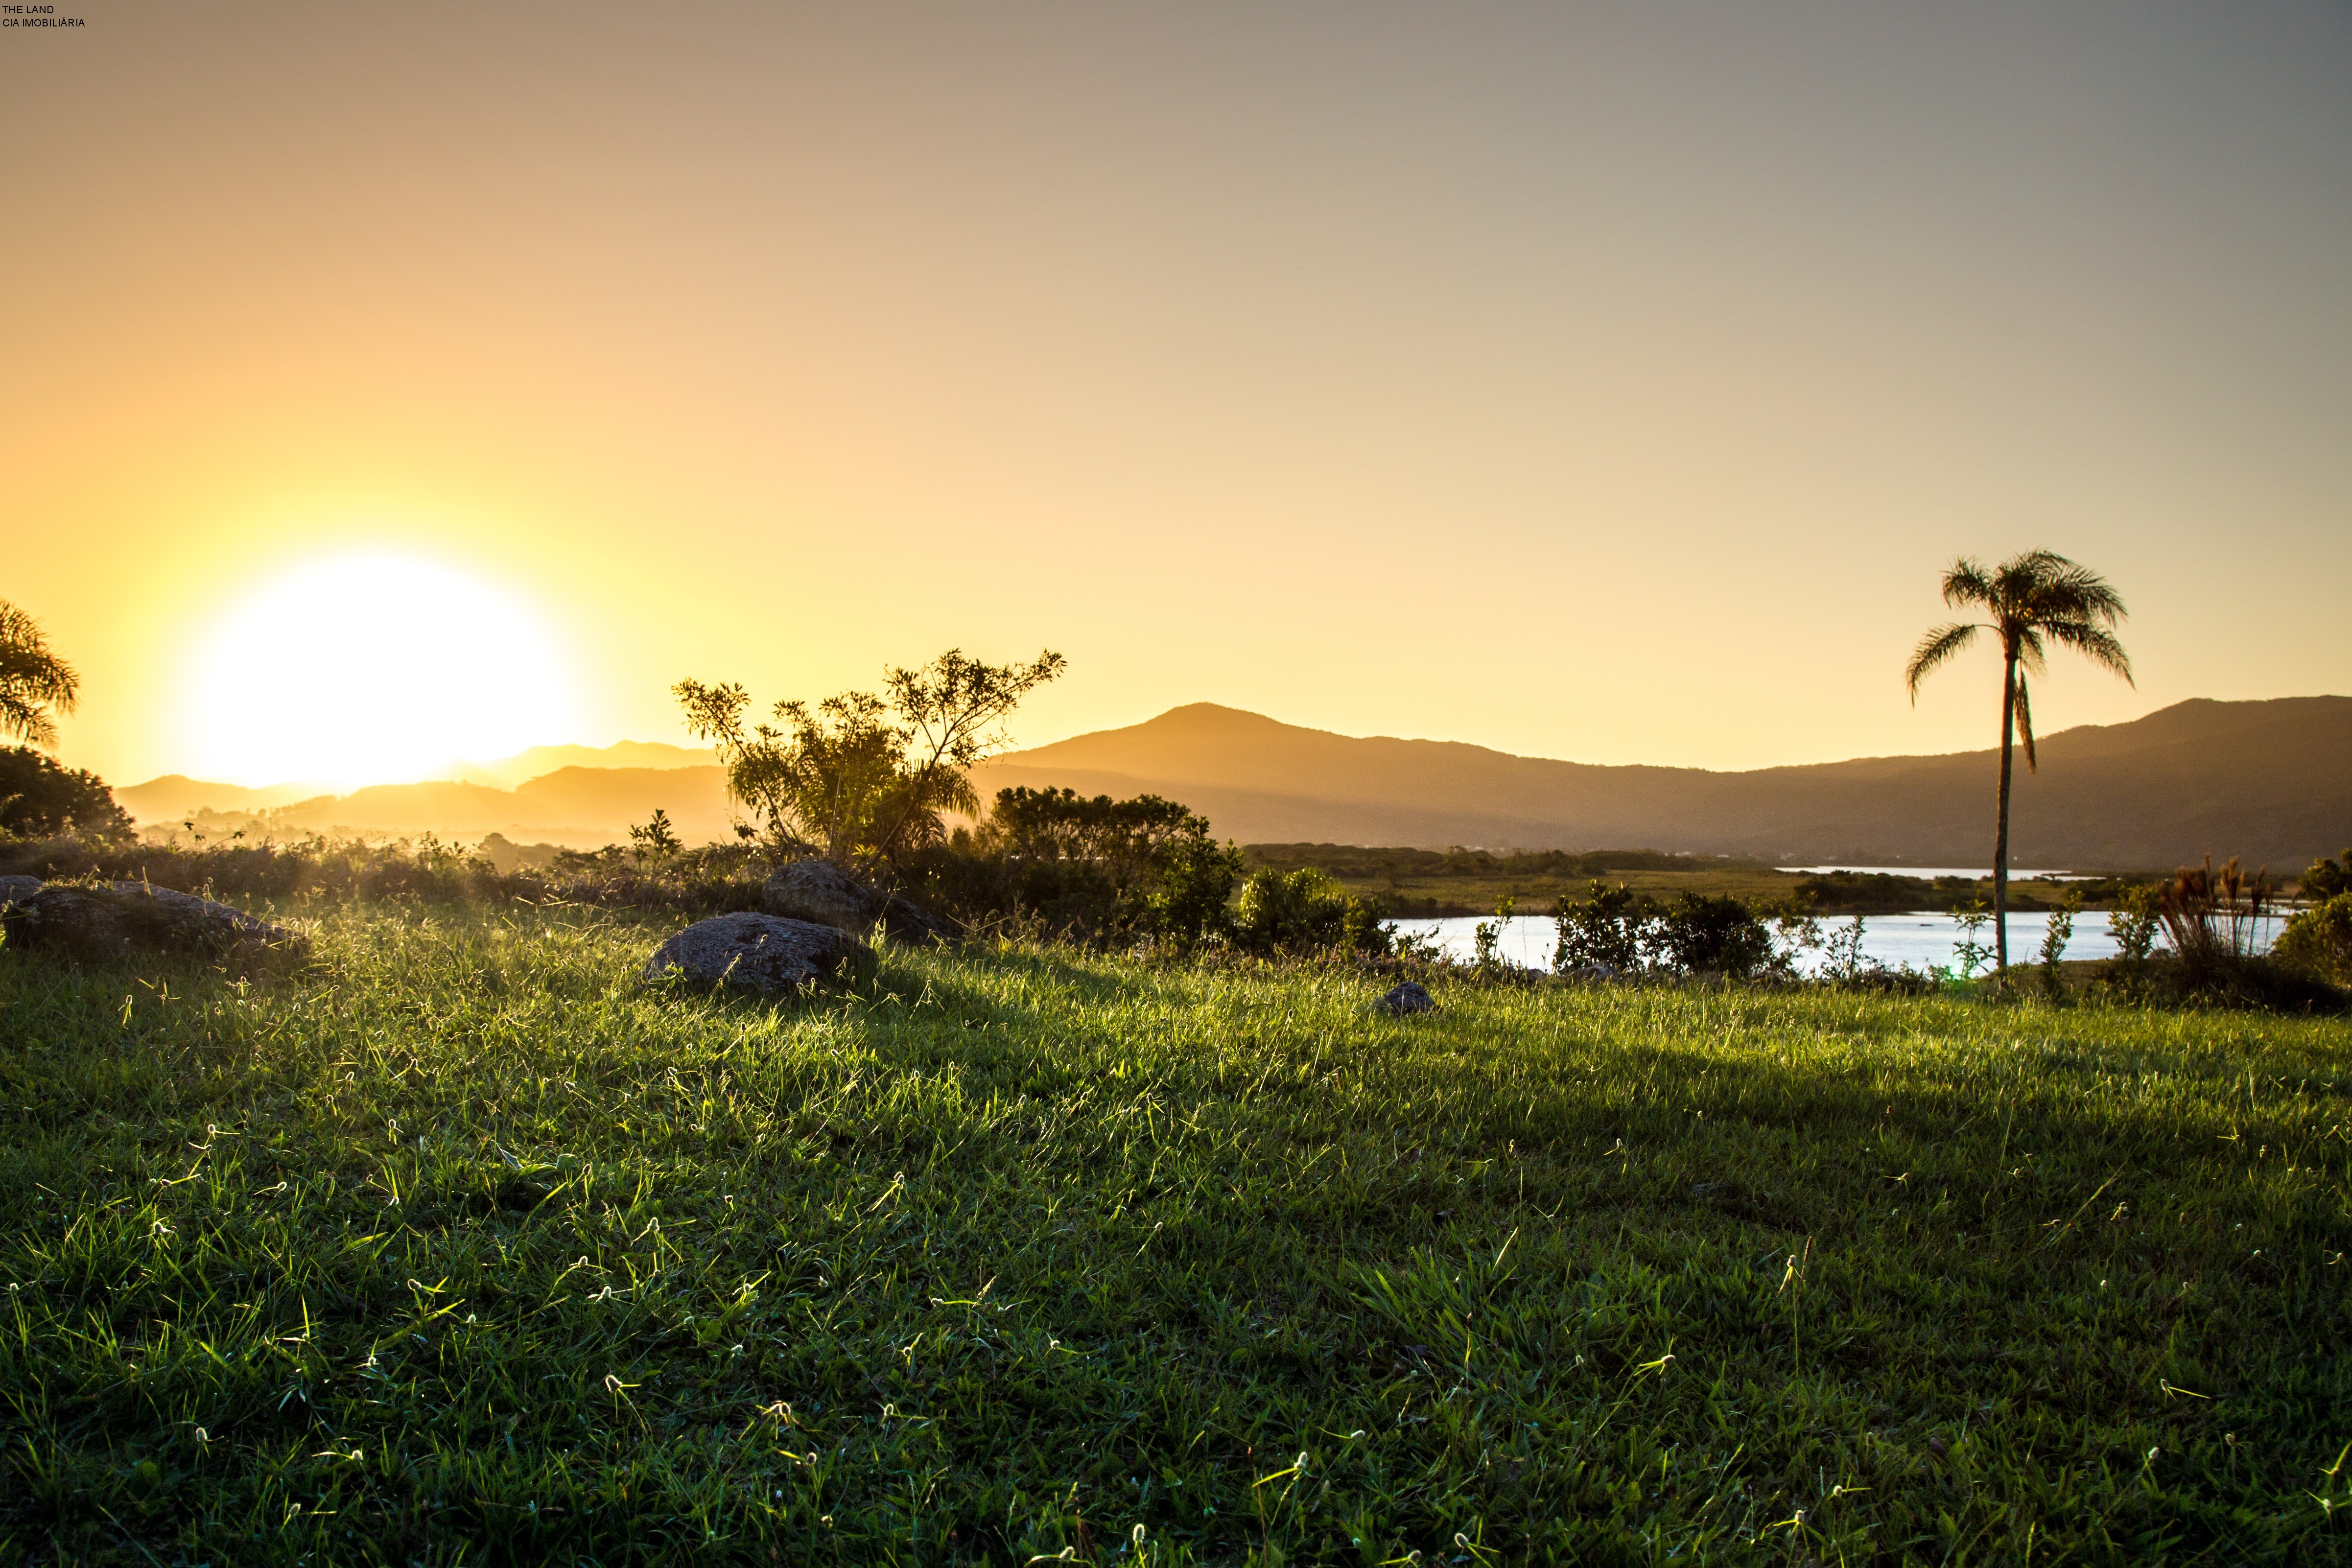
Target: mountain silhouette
2268	781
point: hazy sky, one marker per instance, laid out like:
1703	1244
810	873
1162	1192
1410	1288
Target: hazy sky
1607	384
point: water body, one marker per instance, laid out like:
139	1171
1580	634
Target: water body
1922	940
1976	873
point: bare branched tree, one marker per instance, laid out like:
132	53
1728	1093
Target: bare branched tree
859	776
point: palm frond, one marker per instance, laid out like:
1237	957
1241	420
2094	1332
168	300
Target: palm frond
2028	649
31	680
1937	647
1965	583
2025	725
2095	643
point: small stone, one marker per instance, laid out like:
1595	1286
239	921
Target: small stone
1408	998
761	953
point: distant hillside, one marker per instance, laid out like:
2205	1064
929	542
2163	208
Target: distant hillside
506	772
580	807
2271	781
578	796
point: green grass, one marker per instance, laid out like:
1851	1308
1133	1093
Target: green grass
461	1247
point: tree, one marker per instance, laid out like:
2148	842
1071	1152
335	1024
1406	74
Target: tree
40	798
2032	599
860	776
31	680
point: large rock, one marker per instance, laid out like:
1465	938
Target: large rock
821	893
112	920
762	953
18	889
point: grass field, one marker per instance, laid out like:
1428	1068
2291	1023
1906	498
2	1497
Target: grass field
461	1247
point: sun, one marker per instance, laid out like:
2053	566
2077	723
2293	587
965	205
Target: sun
374	668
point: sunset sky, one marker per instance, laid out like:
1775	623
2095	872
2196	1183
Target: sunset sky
379	384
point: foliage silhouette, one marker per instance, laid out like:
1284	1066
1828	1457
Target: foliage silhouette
864	778
33	680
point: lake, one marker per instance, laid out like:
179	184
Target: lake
1922	940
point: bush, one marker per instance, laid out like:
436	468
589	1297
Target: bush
1699	935
41	798
1188	908
695	882
1609	929
1303	912
2318	941
1085	870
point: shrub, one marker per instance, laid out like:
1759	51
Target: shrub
2325	879
2135	921
1609	928
1188	908
2213	918
1699	935
2318	941
1304	912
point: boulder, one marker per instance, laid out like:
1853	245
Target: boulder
763	953
821	893
112	920
1408	998
18	889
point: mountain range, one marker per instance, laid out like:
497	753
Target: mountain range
2269	781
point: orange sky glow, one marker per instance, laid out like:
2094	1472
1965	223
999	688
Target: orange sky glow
382	384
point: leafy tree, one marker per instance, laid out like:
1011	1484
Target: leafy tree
2031	601
40	798
2325	878
31	680
1128	839
864	778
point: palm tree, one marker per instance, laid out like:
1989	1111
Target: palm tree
31	680
2032	599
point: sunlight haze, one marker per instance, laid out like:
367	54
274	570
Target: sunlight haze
1606	384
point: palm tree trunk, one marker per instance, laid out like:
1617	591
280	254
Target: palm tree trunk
2000	839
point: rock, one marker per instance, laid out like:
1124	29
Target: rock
113	920
821	893
1408	998
18	889
1596	970
762	953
